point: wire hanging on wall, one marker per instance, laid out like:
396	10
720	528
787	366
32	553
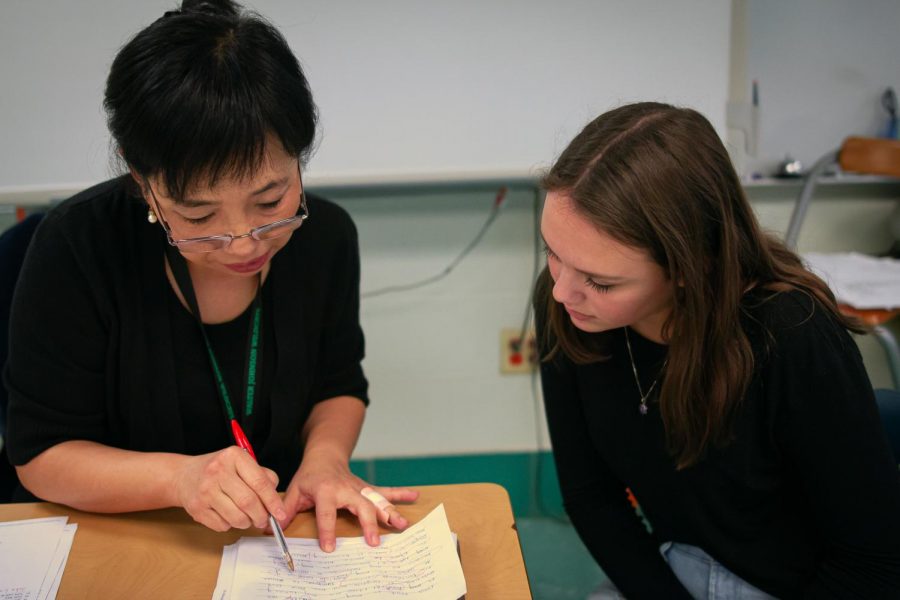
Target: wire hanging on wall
495	211
537	470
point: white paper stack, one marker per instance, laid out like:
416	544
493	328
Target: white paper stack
860	281
422	562
33	555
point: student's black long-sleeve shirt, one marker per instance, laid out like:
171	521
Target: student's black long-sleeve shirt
803	503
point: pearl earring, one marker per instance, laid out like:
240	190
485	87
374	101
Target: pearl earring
151	216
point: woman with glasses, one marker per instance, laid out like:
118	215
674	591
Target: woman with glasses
692	359
203	293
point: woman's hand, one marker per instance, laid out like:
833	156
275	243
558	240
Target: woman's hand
228	489
328	485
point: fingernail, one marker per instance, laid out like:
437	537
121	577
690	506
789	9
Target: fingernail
374	539
329	546
280	515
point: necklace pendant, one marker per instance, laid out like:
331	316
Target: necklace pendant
643	408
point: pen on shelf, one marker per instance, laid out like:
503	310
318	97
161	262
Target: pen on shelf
244	444
753	146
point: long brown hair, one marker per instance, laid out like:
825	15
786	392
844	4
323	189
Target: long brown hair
657	177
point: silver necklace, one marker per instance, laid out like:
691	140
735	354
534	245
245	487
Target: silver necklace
643	407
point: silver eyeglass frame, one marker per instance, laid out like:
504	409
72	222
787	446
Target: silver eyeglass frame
226	239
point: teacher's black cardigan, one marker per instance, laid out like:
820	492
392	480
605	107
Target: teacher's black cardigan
91	349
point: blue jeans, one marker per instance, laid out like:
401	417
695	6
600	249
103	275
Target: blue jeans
699	573
704	577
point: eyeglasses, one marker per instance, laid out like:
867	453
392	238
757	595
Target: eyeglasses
211	243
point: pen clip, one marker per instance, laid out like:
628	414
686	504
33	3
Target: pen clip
241	439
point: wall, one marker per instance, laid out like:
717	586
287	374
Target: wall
433	353
822	66
405	88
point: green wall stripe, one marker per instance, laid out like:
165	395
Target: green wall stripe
529	477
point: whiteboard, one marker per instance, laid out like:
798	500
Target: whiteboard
406	88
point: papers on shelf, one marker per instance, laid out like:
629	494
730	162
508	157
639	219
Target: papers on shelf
33	555
860	281
422	562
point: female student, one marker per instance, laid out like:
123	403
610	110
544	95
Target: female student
692	359
203	285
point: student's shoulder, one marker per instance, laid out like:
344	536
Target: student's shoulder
794	321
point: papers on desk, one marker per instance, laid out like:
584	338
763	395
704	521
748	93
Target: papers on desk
860	281
421	562
33	554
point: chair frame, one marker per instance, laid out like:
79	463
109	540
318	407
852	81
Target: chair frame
865	155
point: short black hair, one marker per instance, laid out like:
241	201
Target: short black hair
196	94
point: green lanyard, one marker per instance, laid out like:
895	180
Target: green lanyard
254	341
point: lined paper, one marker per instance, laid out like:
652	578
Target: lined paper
419	563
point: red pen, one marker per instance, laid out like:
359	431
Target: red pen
242	441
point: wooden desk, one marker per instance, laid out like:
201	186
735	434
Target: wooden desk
165	554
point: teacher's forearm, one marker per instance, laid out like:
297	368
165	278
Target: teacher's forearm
97	478
332	429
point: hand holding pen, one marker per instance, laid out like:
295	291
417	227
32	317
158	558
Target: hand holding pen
226	489
244	443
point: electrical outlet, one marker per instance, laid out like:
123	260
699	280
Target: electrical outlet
515	356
